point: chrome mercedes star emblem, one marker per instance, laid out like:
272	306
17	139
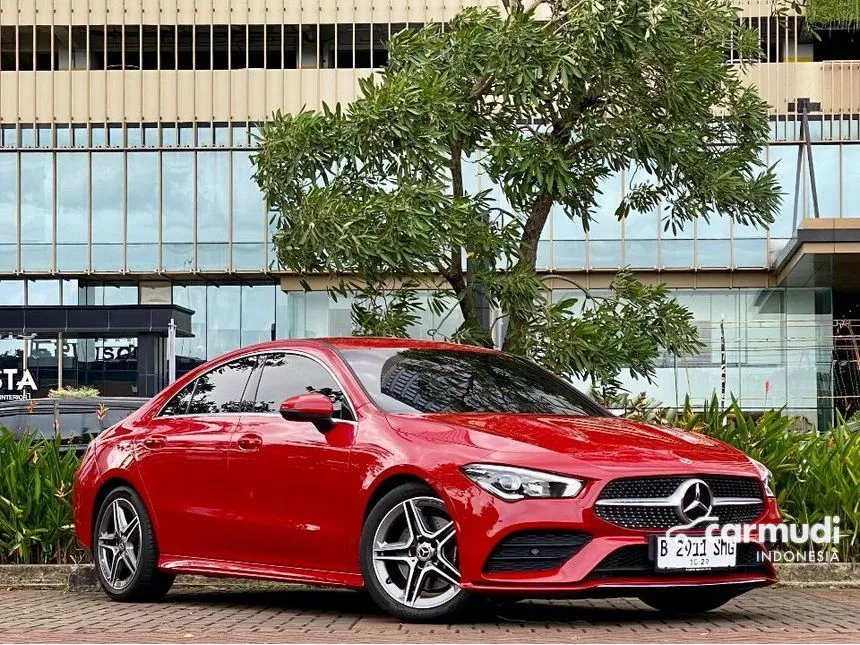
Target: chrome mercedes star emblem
425	551
695	500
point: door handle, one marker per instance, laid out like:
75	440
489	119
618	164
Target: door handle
250	442
153	442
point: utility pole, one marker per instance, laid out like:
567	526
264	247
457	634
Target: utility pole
25	361
171	351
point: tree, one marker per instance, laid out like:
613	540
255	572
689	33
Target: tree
549	100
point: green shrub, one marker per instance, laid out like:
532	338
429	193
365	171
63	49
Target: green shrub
833	12
73	393
36	478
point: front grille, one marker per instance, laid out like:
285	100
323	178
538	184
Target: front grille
634	561
535	551
720	486
665	517
738	514
639	517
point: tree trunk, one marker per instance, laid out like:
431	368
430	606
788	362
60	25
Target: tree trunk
455	275
528	255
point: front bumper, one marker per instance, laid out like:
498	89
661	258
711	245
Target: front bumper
484	522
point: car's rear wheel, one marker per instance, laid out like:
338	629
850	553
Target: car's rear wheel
409	556
688	601
125	550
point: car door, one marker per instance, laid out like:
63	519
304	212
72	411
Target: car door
291	475
182	459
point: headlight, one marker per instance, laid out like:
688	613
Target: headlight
511	483
766	477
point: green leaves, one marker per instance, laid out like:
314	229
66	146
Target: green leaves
547	100
35	501
833	12
596	338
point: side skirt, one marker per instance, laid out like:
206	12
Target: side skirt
276	573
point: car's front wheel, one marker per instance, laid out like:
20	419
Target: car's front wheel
125	550
409	556
688	601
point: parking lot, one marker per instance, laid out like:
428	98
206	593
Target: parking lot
310	615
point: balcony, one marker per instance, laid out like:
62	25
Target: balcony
834	84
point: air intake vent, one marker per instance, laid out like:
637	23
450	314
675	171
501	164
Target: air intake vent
633	561
535	551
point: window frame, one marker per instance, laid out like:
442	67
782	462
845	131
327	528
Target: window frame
196	379
254	382
193	384
258	372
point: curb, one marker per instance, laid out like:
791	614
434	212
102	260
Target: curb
82	577
838	574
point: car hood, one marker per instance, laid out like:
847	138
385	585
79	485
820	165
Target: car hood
604	445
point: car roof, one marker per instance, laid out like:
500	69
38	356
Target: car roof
366	342
361	342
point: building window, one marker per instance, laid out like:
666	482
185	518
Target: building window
9	212
108	210
200	47
73	180
37	196
143	220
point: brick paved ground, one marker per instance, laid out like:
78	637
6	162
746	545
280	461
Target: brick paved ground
302	615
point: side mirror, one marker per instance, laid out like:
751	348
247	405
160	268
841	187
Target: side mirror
313	407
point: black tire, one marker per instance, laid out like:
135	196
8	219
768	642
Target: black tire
145	583
687	601
448	610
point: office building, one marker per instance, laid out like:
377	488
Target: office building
126	189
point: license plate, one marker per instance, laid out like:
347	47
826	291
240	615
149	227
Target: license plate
688	553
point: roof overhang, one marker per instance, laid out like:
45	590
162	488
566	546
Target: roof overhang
822	253
95	320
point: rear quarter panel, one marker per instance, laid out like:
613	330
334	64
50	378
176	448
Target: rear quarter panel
109	461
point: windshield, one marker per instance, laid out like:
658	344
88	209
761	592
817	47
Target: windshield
444	380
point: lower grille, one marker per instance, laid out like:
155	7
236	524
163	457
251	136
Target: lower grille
634	561
535	551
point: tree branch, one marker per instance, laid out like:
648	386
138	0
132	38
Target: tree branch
481	87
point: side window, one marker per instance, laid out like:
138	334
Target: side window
179	403
286	375
222	389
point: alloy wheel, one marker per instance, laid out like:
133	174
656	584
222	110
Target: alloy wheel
415	554
119	542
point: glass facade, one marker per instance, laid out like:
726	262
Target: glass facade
133	210
190	205
778	351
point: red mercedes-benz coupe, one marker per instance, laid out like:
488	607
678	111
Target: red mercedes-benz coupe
426	473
